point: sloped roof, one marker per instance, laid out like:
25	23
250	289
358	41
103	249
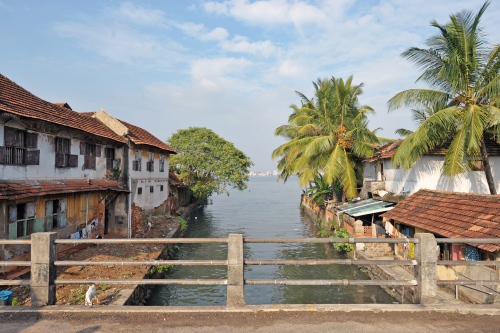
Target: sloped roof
16	100
13	190
365	207
174	180
451	215
140	136
137	135
386	151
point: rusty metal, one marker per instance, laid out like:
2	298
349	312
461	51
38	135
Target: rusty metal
15	263
311	262
148	282
143	263
333	282
144	241
15	282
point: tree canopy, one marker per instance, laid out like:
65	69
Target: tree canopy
462	71
207	163
327	135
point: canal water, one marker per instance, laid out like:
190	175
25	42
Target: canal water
266	209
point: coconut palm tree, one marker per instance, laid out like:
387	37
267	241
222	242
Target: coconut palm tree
327	135
463	74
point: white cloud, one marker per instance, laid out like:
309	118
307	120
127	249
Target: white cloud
139	15
217	34
242	45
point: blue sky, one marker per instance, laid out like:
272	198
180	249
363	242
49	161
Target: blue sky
232	66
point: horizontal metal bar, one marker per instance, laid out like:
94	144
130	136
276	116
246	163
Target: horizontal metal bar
468	263
15	282
143	263
330	240
333	282
15	263
468	282
148	282
144	240
15	242
312	262
469	240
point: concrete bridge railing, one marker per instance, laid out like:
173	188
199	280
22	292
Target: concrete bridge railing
44	261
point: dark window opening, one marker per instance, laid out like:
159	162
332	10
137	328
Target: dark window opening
111	163
161	188
19	148
151	189
139	190
64	159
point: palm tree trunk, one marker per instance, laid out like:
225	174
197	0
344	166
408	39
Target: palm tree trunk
487	168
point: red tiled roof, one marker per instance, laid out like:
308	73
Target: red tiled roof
451	215
13	190
140	136
386	151
17	100
174	180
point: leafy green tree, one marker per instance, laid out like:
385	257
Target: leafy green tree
327	135
319	190
207	163
463	74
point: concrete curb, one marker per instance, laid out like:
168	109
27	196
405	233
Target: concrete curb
488	309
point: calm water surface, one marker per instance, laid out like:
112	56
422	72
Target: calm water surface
266	209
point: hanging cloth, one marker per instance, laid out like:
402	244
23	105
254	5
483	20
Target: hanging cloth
471	253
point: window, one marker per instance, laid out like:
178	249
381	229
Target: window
136	164
64	159
161	188
150	166
90	151
139	190
161	167
151	189
22	221
111	163
19	148
55	214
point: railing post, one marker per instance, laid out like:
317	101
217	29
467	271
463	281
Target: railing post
426	270
43	270
235	284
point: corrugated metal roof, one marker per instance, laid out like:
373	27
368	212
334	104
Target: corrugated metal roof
365	207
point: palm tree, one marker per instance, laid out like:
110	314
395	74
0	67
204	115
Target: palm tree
327	135
463	75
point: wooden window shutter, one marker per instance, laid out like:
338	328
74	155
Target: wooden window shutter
98	150
82	148
60	160
32	157
31	140
93	162
9	136
2	155
73	161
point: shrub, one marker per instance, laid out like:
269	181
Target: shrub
345	247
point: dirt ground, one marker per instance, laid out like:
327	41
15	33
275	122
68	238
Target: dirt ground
262	322
75	294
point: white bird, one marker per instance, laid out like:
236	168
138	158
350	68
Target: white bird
150	225
89	295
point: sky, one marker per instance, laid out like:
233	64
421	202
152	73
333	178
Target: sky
232	66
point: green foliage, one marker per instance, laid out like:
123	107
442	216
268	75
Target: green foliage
15	301
327	135
345	247
462	71
159	270
207	163
183	224
319	190
77	296
104	287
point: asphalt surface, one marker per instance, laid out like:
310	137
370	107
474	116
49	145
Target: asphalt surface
261	319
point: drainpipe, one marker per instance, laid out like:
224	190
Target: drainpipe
87	209
129	215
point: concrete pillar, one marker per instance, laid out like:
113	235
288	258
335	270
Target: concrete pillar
235	284
426	271
43	270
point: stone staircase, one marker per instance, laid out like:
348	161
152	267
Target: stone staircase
377	250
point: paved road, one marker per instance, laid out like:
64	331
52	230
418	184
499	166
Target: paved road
276	320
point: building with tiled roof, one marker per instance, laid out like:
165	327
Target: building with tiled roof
146	168
59	170
383	180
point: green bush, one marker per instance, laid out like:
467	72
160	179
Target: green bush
77	296
183	224
345	247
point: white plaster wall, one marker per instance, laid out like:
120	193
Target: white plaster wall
426	174
46	170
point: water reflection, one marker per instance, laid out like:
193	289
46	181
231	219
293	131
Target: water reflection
267	209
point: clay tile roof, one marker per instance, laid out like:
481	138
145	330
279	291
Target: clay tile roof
140	136
13	190
451	215
174	180
16	100
385	151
